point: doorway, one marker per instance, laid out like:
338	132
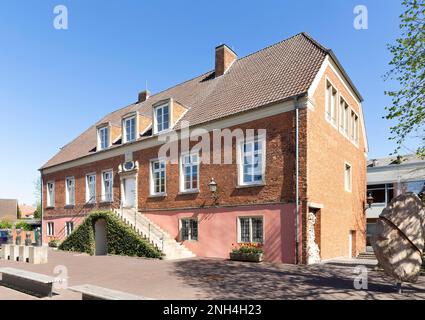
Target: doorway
129	200
101	241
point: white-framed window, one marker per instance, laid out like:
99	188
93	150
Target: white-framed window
107	184
354	132
69	227
129	129
70	191
252	161
158	177
250	230
344	117
348	177
189	229
51	194
103	136
189	172
331	104
91	188
162	118
50	229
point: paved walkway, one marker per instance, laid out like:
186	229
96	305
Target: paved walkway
215	279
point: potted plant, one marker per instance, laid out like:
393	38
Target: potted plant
252	252
53	243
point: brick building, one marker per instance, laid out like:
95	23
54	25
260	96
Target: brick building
295	180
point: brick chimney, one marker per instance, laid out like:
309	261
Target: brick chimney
224	57
143	96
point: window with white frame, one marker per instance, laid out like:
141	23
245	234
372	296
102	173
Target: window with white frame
107	183
91	188
189	229
69	227
70	191
252	161
250	230
189	174
354	127
331	101
348	177
103	134
129	129
50	229
343	116
51	194
158	176
162	118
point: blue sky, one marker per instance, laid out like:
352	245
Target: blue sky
56	83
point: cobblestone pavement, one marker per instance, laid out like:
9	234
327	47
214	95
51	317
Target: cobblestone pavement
217	279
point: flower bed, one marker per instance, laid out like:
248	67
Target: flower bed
251	252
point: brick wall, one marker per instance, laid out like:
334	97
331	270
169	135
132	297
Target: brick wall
328	150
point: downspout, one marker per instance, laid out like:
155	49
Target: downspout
297	191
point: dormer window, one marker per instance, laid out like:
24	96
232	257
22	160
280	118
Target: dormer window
103	136
162	118
129	125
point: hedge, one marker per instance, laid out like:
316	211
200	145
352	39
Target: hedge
121	239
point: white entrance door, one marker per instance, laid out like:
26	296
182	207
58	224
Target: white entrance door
129	193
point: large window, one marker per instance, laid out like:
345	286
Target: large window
158	176
343	117
189	175
381	193
51	194
252	162
162	118
107	183
348	177
69	227
91	188
189	229
354	132
250	230
50	229
331	101
103	138
129	129
70	191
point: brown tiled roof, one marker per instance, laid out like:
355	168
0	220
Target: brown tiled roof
273	74
8	209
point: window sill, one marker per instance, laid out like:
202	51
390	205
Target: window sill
69	206
254	185
182	193
49	208
160	195
106	202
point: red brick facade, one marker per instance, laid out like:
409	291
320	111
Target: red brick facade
323	151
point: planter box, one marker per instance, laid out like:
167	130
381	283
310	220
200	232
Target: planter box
250	257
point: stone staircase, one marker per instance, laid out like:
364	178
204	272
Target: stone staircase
172	249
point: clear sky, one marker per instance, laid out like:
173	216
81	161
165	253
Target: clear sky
56	83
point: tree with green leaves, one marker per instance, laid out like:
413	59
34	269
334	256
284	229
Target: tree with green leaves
37	195
408	70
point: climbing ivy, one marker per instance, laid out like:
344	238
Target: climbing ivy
121	239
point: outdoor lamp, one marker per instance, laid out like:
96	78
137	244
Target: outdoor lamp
213	189
213	186
370	200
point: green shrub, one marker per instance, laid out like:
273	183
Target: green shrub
23	226
121	239
5	224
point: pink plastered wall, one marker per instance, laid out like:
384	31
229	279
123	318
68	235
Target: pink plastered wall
218	230
59	227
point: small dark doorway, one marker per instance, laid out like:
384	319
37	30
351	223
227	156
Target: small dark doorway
101	243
